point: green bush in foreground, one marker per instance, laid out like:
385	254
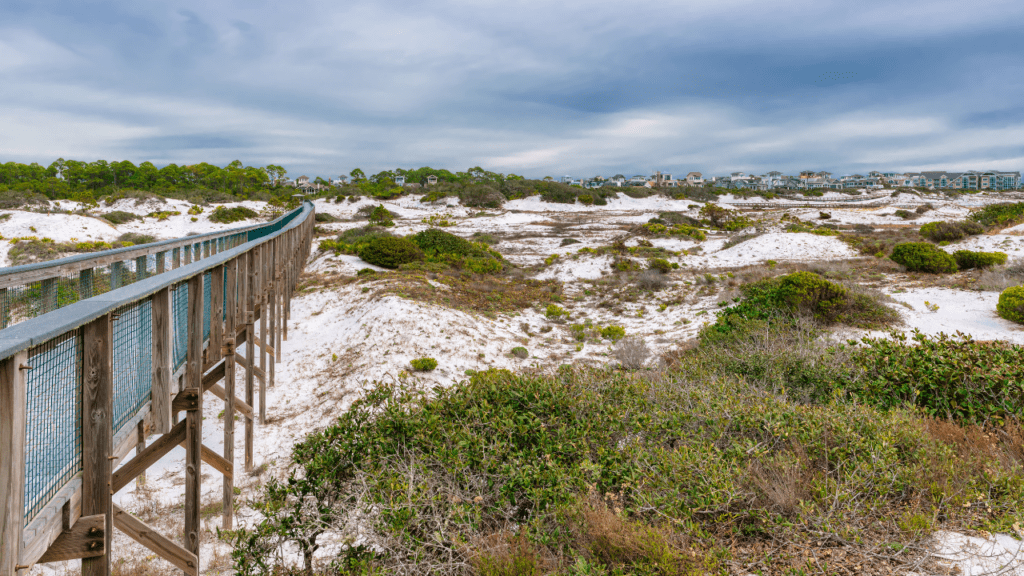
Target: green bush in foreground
1011	304
390	252
222	215
624	473
423	364
923	257
967	259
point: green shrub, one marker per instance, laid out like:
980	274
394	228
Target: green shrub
433	242
947	376
724	218
390	252
195	210
482	196
423	364
905	214
923	257
967	259
659	264
222	215
520	352
950	231
1000	214
1011	304
586	199
555	311
804	293
613	333
118	217
325	217
381	216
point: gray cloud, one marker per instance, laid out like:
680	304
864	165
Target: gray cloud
531	87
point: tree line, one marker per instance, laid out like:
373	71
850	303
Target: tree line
78	180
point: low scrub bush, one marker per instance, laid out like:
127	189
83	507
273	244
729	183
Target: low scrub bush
390	252
950	231
724	218
659	264
380	216
482	196
613	333
443	247
554	311
613	472
1011	304
423	364
805	294
967	259
520	352
324	217
1000	215
118	217
632	352
652	279
222	215
946	376
923	257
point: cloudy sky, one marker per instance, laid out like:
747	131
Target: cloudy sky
531	87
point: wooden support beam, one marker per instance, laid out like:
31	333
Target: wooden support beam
158	543
157	450
187	399
13	403
242	407
217	461
86	287
97	432
216	311
85	539
244	363
194	418
49	300
163	351
161	262
228	392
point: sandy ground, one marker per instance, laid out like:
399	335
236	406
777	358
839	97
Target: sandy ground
341	339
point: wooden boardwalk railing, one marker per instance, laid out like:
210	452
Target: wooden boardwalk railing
66	359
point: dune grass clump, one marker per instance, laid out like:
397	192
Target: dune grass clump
520	352
923	257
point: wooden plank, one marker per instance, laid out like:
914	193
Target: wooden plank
161	261
12	459
49	524
163	351
194	418
176	257
228	392
140	447
216	460
84	539
156	542
97	433
157	450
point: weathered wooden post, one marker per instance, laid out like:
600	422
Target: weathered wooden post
97	433
49	303
161	262
141	268
194	416
13	403
228	352
176	257
250	299
262	303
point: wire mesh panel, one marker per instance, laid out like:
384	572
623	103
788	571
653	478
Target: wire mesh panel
53	429
133	360
179	309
